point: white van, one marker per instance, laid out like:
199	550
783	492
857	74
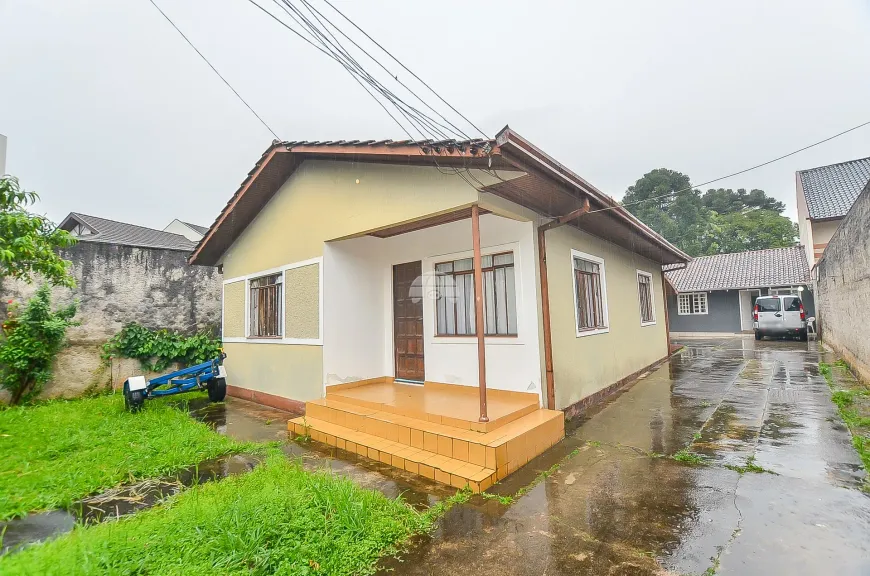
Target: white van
779	316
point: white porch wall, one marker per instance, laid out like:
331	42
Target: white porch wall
358	325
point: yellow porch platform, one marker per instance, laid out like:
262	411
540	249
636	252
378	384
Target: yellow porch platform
432	430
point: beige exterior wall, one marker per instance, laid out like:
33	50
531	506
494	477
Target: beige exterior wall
321	201
805	227
234	309
584	365
280	369
822	232
302	302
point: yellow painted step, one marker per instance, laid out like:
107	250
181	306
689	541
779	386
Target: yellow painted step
418	461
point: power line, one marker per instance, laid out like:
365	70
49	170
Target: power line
225	81
375	42
458	131
853	128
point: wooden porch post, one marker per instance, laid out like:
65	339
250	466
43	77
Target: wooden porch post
478	311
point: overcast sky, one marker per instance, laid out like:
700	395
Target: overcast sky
108	112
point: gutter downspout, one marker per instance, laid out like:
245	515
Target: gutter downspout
545	295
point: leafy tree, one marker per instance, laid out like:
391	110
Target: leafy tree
719	221
30	342
29	242
750	230
726	201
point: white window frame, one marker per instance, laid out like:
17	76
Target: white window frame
473	303
605	313
429	328
281	303
691	296
652	298
271	271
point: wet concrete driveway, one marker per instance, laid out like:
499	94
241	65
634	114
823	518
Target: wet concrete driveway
622	505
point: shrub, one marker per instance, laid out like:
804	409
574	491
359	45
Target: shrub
158	349
30	342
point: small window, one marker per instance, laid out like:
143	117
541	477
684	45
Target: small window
695	303
768	304
645	298
792	304
589	294
454	287
265	307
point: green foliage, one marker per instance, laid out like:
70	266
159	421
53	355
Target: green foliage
686	456
825	370
29	242
277	519
717	222
56	453
30	341
158	349
750	466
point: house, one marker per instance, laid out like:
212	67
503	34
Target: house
716	294
190	231
124	273
824	197
352	276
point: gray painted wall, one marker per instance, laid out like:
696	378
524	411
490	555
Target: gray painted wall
724	312
843	288
116	285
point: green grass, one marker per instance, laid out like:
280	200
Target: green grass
853	404
686	456
749	467
277	519
58	452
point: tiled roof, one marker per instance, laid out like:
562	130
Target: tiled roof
113	232
201	229
547	187
831	190
755	269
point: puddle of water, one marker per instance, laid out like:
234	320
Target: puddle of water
118	502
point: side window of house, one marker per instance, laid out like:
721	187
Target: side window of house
454	286
645	298
265	312
589	294
692	303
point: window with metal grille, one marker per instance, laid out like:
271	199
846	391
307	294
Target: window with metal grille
454	287
265	313
695	303
645	298
588	293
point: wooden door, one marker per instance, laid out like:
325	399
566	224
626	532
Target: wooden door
408	321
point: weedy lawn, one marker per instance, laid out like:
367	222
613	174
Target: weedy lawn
277	519
56	453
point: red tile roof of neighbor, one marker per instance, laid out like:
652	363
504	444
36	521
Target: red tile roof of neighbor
547	187
754	269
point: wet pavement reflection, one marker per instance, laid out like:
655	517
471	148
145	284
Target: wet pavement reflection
622	506
619	504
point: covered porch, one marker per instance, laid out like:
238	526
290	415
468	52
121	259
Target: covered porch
433	430
409	379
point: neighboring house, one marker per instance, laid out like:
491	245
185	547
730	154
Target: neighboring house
843	288
716	294
190	231
824	197
124	273
349	285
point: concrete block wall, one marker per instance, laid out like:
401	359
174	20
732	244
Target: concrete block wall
843	288
116	285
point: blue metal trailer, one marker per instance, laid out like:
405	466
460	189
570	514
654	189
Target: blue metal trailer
210	376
